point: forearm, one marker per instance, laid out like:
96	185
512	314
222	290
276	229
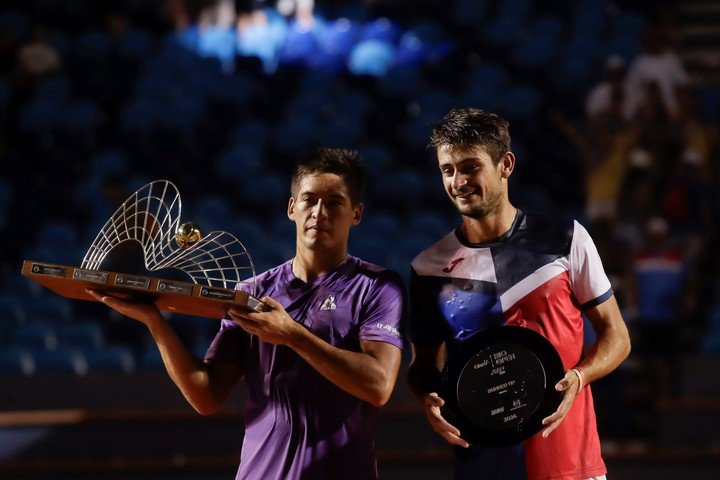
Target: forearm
358	373
425	372
604	356
187	371
612	345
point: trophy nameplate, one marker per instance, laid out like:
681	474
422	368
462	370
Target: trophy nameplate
173	296
500	384
215	262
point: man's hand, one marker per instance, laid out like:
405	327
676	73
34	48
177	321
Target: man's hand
144	312
450	433
273	326
570	386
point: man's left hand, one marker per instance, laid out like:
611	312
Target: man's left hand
570	386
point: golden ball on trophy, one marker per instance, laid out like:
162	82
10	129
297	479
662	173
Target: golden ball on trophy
188	234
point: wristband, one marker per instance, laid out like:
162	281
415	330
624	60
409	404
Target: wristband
581	377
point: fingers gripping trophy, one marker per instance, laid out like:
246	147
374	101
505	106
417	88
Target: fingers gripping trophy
214	263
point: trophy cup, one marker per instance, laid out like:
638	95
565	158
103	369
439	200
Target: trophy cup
215	263
500	384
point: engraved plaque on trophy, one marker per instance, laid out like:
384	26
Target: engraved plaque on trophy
214	263
500	384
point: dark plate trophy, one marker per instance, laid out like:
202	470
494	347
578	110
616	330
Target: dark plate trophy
500	384
214	263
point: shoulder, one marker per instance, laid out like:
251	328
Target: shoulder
374	273
267	277
546	232
437	254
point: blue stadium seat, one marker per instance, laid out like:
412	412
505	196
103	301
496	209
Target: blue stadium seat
503	31
60	361
108	162
248	231
629	23
254	131
137	44
85	336
338	37
294	134
35	335
14	22
57	232
50	307
243	160
521	102
405	81
282	227
402	189
344	129
93	44
381	225
429	224
12	307
110	359
369	248
489	76
411	50
377	158
299	45
80	116
150	358
16	361
212	213
53	89
538	51
381	29
40	116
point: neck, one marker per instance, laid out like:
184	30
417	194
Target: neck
308	264
489	227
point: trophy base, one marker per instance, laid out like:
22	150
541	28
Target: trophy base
168	295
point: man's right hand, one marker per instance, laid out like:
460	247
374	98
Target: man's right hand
432	404
143	312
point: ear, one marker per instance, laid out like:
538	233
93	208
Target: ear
291	209
358	211
507	164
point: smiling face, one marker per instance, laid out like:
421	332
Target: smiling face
475	185
323	212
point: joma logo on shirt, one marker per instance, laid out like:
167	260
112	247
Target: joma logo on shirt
453	264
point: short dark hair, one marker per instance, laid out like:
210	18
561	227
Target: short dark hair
340	161
465	128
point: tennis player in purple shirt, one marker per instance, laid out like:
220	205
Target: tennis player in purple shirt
323	359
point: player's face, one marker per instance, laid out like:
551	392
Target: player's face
476	186
323	212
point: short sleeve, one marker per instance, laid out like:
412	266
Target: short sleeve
383	314
590	284
229	344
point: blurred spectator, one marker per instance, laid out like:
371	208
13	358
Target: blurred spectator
661	294
609	95
37	58
655	64
687	201
301	9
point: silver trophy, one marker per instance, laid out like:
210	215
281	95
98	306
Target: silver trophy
216	263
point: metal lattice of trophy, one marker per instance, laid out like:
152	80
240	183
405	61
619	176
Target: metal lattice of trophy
215	263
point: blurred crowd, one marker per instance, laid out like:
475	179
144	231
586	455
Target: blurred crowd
631	151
